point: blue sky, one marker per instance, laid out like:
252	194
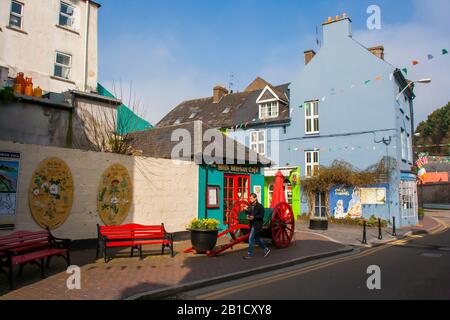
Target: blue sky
169	51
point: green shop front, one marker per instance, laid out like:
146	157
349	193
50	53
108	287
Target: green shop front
221	186
291	187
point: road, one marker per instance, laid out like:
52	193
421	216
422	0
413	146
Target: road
413	268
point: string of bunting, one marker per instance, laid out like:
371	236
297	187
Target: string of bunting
333	91
335	149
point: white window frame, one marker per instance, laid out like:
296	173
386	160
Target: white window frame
404	144
410	149
11	13
312	117
62	65
254	145
70	17
269	110
408	199
313	165
321	198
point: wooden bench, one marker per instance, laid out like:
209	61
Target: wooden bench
134	236
24	247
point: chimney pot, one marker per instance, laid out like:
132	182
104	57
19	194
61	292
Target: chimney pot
218	93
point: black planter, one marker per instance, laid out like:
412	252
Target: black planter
318	224
203	241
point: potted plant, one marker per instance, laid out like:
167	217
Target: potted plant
421	214
204	234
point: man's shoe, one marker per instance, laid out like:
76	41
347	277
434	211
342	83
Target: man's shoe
248	257
266	253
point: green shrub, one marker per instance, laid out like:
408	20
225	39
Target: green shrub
204	224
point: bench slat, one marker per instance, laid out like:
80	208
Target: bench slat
37	255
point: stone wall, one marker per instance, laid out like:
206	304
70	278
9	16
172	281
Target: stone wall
163	191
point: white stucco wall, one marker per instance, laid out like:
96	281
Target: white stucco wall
163	192
33	51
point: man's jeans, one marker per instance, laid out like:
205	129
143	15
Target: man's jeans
251	244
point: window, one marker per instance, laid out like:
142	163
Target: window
227	110
404	143
320	206
192	116
63	63
410	151
268	110
258	142
408	199
66	15
312	117
312	163
16	15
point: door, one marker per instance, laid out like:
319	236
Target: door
236	187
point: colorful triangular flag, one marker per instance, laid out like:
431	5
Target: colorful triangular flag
444	51
405	71
430	57
391	76
367	82
378	78
415	63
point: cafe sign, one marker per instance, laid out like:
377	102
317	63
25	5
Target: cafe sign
237	169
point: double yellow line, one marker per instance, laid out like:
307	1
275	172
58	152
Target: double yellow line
238	288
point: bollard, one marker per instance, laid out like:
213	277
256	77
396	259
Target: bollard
394	229
364	241
380	234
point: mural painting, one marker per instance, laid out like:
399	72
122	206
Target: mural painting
115	195
9	176
50	194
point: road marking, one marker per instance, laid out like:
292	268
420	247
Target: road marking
431	255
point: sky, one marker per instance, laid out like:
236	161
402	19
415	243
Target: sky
154	54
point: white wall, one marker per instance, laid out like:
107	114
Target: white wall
163	192
34	52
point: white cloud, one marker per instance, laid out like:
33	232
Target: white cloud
426	33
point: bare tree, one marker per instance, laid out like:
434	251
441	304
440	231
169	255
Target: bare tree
107	127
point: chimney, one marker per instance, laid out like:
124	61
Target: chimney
218	93
336	29
378	51
309	55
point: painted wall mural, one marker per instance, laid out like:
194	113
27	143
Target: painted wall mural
9	176
50	194
115	195
349	202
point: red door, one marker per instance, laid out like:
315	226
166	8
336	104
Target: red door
236	187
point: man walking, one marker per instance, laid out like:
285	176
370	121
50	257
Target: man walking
255	215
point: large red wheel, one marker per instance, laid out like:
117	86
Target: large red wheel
233	218
283	225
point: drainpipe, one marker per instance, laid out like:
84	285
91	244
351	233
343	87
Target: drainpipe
86	44
206	192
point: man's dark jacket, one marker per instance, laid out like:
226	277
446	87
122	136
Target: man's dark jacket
256	210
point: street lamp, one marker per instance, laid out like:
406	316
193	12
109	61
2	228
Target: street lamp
422	81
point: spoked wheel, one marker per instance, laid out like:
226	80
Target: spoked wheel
283	225
233	218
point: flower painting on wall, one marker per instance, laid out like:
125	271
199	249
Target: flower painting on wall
114	195
51	193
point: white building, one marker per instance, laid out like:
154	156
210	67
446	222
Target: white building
52	41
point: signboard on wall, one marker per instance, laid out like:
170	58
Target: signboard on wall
237	169
346	202
9	177
258	191
373	196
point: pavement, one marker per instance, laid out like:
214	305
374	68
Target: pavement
353	235
415	267
156	275
160	276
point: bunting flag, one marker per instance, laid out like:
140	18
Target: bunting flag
430	57
367	82
444	51
415	63
391	76
422	162
378	78
405	71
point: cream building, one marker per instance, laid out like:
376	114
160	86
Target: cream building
52	41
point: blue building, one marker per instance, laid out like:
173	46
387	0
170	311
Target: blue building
345	106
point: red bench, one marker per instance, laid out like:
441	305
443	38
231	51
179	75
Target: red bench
24	247
134	236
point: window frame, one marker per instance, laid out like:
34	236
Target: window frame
258	141
72	17
311	118
321	198
62	65
408	199
404	144
20	16
312	164
269	106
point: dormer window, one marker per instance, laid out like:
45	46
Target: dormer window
269	110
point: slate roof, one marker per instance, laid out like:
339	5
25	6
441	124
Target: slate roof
241	106
157	143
